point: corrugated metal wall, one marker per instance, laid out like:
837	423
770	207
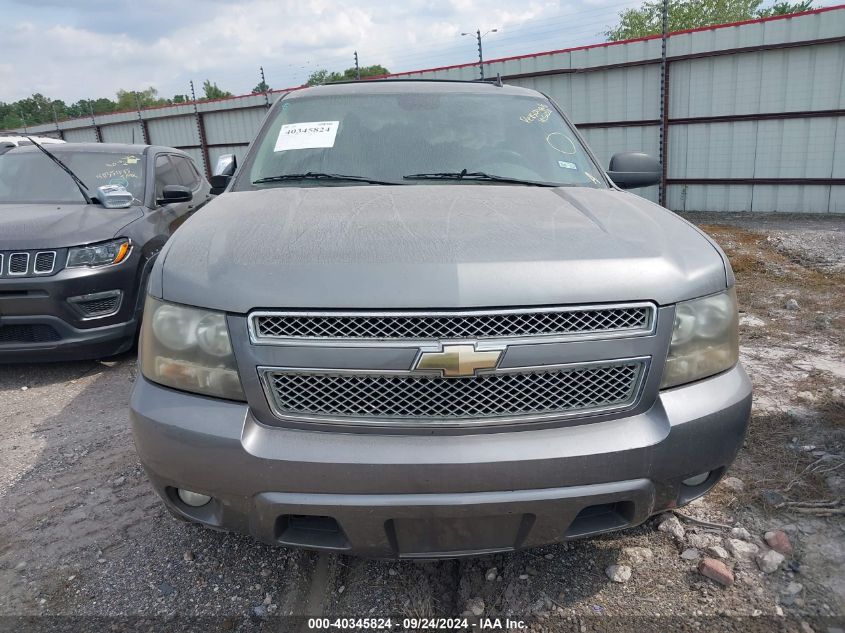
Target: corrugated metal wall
755	118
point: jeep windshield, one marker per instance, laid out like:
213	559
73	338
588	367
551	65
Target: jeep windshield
28	176
444	137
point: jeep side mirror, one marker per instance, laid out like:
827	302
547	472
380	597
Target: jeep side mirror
629	170
175	193
223	172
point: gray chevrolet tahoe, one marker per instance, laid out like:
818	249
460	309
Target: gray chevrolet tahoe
422	321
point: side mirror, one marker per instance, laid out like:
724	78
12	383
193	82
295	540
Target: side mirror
114	197
223	172
175	193
629	170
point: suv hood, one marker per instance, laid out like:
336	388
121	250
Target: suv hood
434	246
33	226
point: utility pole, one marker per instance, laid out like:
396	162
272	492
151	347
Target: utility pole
357	68
265	87
23	118
479	37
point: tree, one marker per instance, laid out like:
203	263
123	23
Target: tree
261	87
318	77
690	14
133	99
323	76
104	106
213	92
785	8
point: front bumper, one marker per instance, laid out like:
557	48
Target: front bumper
438	495
39	323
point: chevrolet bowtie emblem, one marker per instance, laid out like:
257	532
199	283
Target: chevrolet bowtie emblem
459	360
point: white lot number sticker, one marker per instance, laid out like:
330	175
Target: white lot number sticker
310	135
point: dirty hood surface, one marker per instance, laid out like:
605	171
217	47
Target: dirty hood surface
433	246
33	226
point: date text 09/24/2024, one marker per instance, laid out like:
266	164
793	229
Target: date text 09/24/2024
414	624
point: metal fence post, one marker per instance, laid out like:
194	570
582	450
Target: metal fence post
265	87
56	121
201	133
664	105
145	133
97	134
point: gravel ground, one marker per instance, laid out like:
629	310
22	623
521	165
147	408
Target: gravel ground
82	533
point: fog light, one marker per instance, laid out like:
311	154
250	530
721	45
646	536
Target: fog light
695	480
193	499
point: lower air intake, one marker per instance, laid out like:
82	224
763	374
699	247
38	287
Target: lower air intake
28	334
98	305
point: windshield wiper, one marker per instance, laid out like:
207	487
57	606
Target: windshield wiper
83	189
476	175
316	175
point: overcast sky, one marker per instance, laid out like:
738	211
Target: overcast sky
74	49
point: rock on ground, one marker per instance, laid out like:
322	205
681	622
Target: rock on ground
778	541
690	554
475	606
716	570
751	321
742	550
717	551
637	554
769	561
672	526
741	533
618	573
703	541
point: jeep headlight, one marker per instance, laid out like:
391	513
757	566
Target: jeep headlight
96	255
189	349
705	339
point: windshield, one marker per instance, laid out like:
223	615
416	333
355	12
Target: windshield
390	136
33	177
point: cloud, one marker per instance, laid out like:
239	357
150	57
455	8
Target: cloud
92	48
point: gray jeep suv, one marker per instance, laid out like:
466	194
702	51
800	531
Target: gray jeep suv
423	322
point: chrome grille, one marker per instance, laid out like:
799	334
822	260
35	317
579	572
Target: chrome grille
359	398
29	263
45	261
627	319
18	263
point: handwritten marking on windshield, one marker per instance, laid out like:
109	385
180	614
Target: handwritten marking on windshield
561	142
541	113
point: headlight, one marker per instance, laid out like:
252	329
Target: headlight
705	339
188	349
105	254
